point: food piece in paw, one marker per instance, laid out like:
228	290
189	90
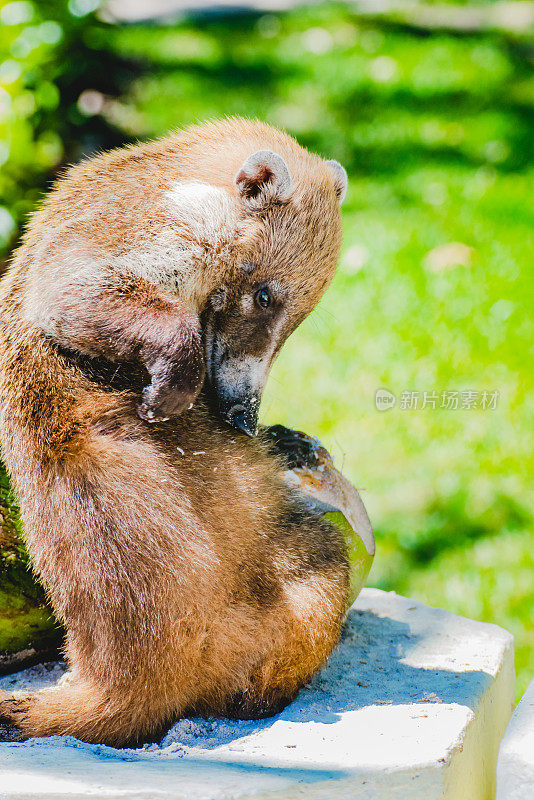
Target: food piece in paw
328	492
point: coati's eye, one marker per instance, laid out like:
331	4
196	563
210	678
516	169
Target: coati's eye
263	297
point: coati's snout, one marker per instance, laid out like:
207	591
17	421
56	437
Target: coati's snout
287	255
243	335
242	339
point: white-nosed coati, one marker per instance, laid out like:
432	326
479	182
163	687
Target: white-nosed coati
189	578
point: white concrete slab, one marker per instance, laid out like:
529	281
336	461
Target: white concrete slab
515	765
412	704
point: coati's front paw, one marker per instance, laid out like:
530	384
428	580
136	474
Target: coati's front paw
174	387
176	368
296	448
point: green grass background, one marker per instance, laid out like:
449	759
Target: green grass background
436	131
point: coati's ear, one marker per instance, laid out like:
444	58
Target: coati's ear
263	180
341	181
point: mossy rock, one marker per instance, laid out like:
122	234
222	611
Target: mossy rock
28	630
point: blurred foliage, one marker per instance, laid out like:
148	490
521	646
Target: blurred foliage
48	59
8	509
435	286
13	558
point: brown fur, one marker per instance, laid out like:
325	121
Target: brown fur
188	577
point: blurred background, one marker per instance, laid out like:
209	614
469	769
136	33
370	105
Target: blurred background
430	106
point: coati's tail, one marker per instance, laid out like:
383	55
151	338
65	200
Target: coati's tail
83	711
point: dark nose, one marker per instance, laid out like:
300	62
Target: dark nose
242	418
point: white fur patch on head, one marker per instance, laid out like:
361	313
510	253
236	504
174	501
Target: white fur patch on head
191	193
203	208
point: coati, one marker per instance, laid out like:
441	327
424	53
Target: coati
189	578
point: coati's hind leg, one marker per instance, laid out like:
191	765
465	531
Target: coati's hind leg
305	625
311	635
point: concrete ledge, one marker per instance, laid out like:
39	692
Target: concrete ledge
515	765
413	704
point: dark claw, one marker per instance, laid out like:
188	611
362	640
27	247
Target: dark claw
296	448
